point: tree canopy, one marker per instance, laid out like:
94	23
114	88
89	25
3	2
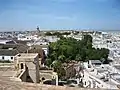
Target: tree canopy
67	49
71	49
59	34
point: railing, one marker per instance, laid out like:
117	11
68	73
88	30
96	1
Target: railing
22	72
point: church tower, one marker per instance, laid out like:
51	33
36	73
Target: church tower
38	30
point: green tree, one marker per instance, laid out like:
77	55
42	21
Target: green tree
57	65
61	58
48	34
67	49
78	57
48	62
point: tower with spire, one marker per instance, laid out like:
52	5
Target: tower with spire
38	30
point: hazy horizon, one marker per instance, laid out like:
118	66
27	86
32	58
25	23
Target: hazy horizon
59	14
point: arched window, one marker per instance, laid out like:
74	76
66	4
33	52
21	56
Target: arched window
3	57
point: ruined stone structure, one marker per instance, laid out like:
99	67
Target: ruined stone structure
27	66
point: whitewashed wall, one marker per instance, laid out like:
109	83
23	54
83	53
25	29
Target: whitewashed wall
7	58
46	51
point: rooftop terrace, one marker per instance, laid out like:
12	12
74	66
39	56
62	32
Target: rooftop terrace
26	55
8	84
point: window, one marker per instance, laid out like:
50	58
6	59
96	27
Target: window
43	78
21	65
11	57
2	57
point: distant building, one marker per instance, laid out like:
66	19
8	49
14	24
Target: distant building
38	30
94	62
44	46
8	51
23	37
52	38
6	41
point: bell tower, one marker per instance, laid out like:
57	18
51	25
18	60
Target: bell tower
38	30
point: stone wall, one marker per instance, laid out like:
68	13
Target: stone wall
7	84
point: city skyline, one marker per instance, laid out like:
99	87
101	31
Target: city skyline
60	14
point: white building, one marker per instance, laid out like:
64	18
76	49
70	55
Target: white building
100	75
52	38
8	51
24	37
5	41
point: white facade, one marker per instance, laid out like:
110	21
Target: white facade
5	58
46	51
24	37
52	38
103	76
4	41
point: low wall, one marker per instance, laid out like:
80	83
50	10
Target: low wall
7	84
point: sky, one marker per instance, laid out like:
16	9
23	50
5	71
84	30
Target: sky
60	14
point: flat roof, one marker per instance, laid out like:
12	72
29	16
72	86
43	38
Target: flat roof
27	55
117	67
95	61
